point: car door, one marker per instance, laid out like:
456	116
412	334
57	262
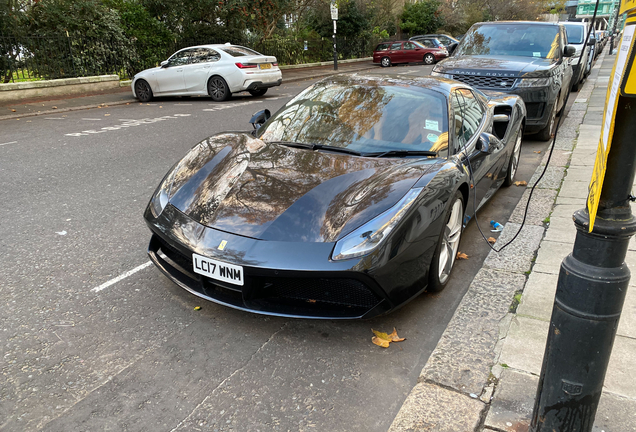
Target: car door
170	77
412	52
468	123
197	71
396	53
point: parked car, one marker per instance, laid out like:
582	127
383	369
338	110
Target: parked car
346	203
449	42
214	70
529	59
581	60
390	53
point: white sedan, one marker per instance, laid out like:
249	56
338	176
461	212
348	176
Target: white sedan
215	70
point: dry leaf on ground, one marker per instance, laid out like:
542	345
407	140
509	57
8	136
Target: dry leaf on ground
384	339
461	255
12	110
521	183
492	240
538	151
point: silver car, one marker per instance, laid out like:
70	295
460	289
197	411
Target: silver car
214	70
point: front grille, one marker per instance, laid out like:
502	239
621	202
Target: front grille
489	82
344	292
534	109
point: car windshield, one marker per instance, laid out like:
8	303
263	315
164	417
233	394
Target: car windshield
522	40
238	51
575	33
376	115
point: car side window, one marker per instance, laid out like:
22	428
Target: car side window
204	55
396	47
427	43
409	46
383	47
468	113
179	59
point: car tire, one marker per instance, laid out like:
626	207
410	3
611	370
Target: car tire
258	93
385	62
546	133
218	89
575	87
429	59
143	92
447	245
514	160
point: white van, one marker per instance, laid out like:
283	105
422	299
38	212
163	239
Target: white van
577	33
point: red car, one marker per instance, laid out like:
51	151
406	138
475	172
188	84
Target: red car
389	53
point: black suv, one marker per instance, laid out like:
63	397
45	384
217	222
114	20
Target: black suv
525	58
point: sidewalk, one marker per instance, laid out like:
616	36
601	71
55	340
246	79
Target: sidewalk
484	372
124	96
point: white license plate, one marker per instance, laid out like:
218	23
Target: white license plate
217	270
265	66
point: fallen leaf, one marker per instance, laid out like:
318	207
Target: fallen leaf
461	255
492	240
12	110
538	151
380	342
197	308
311	301
106	115
521	183
394	336
54	107
384	339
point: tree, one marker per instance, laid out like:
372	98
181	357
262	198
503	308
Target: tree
422	17
12	27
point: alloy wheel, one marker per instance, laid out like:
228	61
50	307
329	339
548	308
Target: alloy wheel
143	91
386	62
429	59
516	153
217	89
450	241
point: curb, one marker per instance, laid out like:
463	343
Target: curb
456	386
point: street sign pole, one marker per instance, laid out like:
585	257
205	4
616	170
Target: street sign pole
594	278
334	17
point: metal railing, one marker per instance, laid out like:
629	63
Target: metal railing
32	58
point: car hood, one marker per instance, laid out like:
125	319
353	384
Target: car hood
239	184
147	72
499	66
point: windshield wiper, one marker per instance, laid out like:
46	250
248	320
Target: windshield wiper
401	153
317	147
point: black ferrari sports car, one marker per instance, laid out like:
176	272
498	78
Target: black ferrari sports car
346	203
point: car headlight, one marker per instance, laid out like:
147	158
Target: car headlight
366	238
534	82
443	75
160	199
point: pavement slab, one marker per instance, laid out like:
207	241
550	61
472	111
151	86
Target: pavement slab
550	256
466	352
517	257
559	158
430	408
539	209
551	179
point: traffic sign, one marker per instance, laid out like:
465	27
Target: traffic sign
607	129
334	11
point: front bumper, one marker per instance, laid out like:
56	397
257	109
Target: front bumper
539	102
280	278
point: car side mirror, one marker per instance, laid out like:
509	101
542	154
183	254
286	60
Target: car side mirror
483	144
259	118
569	51
164	64
592	41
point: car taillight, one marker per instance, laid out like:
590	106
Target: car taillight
245	65
274	64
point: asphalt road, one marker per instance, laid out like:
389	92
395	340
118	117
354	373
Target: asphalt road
135	355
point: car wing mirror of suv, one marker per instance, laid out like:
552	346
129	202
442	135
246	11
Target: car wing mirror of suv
569	51
164	64
592	41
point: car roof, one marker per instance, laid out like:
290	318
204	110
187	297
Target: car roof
537	23
437	84
225	45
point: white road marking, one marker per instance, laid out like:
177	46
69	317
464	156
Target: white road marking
183	104
12	142
54	118
91	119
220	107
125	123
121	277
